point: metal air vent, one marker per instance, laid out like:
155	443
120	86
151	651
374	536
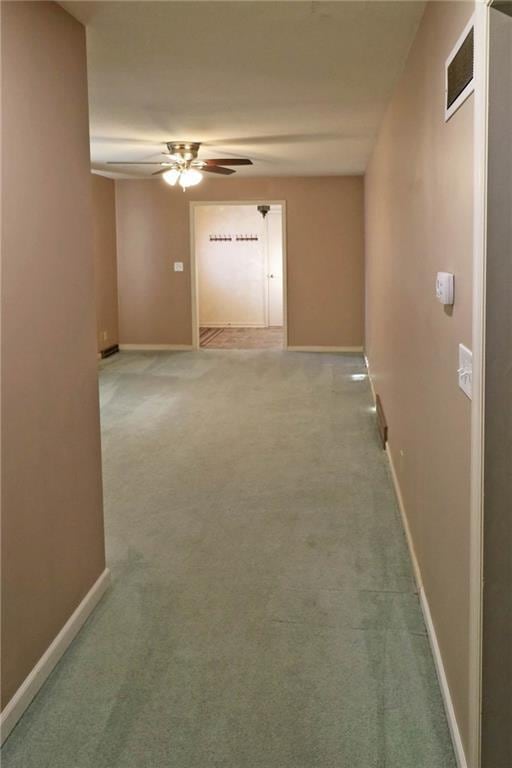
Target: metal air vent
460	71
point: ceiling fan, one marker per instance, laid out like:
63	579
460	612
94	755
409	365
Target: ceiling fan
183	166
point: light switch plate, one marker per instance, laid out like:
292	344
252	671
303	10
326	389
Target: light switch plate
444	287
178	266
465	370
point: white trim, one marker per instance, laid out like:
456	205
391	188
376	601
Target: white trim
193	266
273	212
443	683
293	348
194	304
284	250
470	87
154	347
370	379
481	76
429	624
266	280
405	522
36	678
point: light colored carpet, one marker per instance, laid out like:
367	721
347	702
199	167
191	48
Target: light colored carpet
262	613
242	338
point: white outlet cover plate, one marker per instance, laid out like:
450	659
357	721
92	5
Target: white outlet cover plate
178	266
466	370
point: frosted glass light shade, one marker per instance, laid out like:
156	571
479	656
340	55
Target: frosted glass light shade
190	178
171	176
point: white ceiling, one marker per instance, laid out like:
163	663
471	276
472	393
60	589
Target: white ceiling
299	87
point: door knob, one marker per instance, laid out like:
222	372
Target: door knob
271	275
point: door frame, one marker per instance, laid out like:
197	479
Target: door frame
267	267
193	204
480	144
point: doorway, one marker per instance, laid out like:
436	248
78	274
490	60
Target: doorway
496	629
238	257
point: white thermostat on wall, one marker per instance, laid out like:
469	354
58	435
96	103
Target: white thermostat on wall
444	287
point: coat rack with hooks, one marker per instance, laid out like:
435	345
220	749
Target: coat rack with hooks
229	238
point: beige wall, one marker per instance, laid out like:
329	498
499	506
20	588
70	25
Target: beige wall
52	526
419	221
325	256
105	260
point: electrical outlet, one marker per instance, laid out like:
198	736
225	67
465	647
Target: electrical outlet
105	335
465	370
178	266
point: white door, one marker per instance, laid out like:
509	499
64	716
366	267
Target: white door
274	222
231	263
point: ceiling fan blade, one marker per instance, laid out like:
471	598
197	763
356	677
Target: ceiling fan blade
162	170
232	161
218	169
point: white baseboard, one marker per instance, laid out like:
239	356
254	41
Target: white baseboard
431	631
293	348
33	682
155	347
184	347
370	379
405	521
458	747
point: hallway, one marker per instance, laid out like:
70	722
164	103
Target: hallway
263	612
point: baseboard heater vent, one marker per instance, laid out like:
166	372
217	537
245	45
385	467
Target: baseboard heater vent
381	422
109	351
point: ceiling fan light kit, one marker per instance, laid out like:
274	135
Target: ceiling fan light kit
181	151
183	167
186	178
